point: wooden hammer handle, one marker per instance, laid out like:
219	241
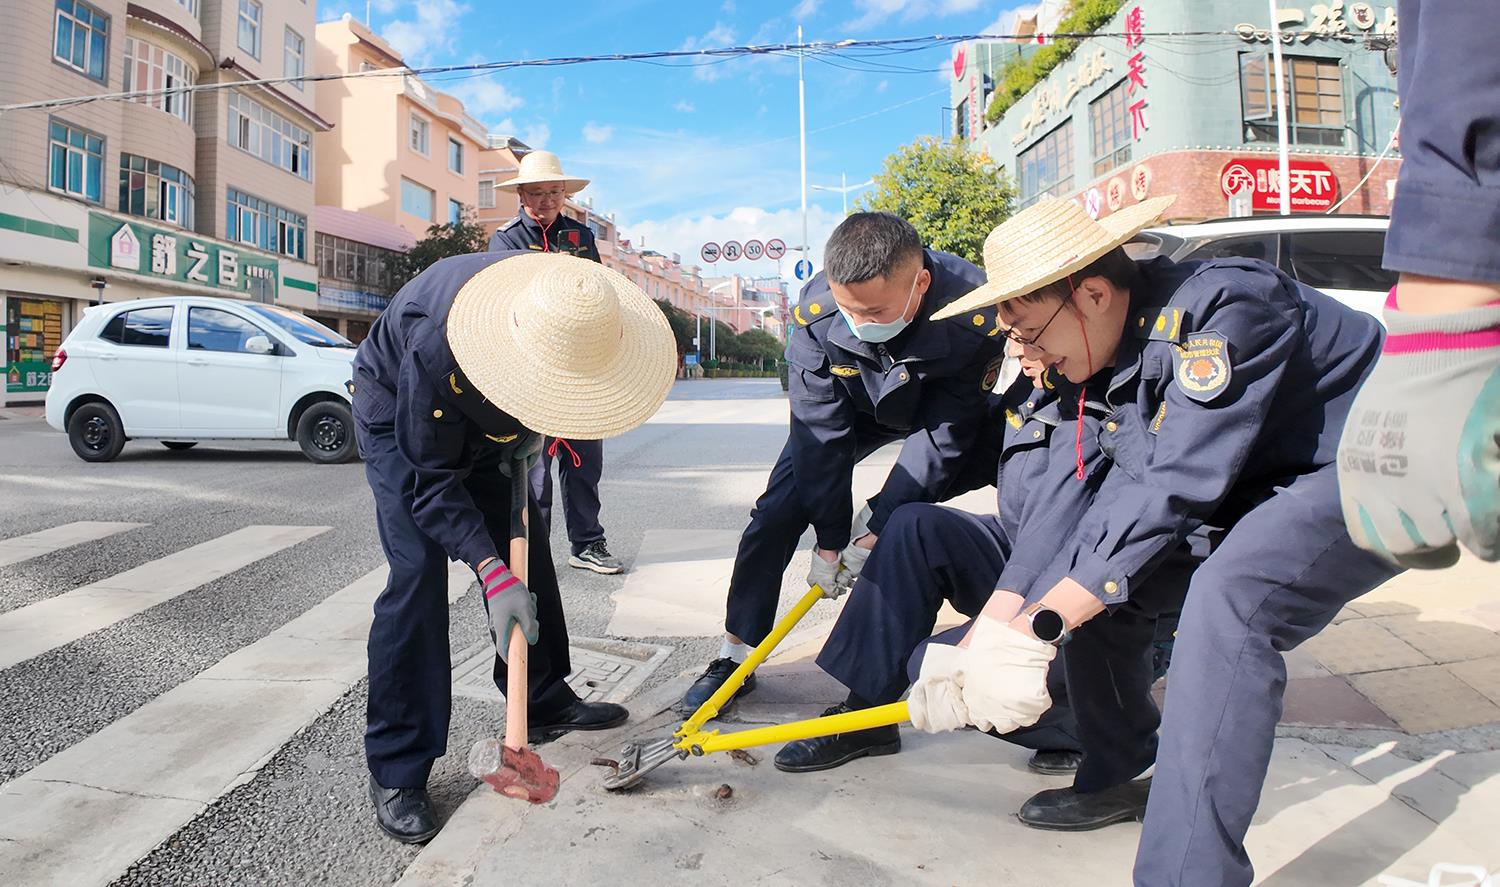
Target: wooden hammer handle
515	681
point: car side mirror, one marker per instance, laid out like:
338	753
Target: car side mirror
259	345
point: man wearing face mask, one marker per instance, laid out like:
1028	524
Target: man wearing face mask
868	366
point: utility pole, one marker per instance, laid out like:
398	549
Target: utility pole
802	138
1285	171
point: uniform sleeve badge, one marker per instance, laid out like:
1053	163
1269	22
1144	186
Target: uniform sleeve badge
1203	368
573	237
991	374
844	371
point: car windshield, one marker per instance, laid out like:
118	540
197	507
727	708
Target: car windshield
303	327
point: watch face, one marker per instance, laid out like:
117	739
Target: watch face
1047	625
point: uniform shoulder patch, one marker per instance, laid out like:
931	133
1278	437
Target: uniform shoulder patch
511	224
815	310
991	374
1163	324
844	370
1202	365
981	321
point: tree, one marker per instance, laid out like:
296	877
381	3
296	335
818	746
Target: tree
449	239
758	346
682	325
953	196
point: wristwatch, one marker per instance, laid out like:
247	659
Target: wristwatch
1047	625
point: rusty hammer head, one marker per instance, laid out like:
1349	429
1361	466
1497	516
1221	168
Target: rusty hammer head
514	772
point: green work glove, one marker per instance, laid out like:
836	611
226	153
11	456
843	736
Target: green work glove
527	444
1419	462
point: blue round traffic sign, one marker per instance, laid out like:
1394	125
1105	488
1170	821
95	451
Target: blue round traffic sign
804	269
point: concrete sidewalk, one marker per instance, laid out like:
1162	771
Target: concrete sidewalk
1388	765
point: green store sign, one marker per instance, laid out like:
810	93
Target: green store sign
183	256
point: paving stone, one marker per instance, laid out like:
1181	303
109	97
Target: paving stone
1443	640
1481	674
604	670
1425	700
1330	702
1360	646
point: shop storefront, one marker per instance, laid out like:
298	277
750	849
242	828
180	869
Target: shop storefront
33	333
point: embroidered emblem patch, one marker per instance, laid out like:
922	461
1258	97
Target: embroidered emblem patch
991	374
505	439
845	371
1203	368
1160	415
797	313
814	309
573	237
1013	418
453	383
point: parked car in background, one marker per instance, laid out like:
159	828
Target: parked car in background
1339	255
188	369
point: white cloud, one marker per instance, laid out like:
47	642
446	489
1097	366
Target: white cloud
875	12
727	7
537	135
685	107
432	29
484	97
595	134
685	235
805	10
720	36
882	85
328	12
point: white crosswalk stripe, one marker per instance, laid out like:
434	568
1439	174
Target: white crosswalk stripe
87	813
34	629
23	548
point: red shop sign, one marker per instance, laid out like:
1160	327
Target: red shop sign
1313	186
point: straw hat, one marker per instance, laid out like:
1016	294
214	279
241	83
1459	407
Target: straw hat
566	346
1046	242
542	166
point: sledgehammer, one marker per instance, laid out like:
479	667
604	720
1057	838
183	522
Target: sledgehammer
512	769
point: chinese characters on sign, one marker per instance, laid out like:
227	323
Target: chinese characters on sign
1135	35
1329	21
1312	185
1050	99
179	256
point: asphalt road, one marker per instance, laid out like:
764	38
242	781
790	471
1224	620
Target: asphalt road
304	817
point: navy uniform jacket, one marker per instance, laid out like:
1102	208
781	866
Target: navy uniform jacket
407	383
1232	379
564	235
928	385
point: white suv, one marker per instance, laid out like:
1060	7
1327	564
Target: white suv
183	370
1338	255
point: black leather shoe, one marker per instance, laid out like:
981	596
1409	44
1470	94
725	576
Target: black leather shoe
713	678
1064	810
404	813
827	752
578	716
1055	762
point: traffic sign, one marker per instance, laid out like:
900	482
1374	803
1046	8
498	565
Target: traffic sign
804	269
775	248
754	249
710	252
732	250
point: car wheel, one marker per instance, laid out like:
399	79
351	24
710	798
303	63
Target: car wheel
179	444
326	433
96	433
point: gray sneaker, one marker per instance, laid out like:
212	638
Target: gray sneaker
596	557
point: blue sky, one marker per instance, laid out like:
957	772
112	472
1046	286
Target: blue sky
687	154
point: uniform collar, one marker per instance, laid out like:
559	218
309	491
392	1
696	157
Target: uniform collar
534	225
923	340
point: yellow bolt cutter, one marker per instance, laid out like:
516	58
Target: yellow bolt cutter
639	758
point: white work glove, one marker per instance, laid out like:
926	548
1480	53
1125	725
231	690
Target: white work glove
936	702
825	575
1005	677
853	558
861	526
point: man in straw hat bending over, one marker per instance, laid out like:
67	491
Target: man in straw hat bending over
465	367
543	188
1227	385
868	366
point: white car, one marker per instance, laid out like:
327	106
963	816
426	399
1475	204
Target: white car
183	370
1338	255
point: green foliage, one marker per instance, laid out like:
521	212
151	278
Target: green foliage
448	239
682	325
749	351
953	196
1021	74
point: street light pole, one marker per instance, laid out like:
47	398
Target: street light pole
802	138
1284	170
844	189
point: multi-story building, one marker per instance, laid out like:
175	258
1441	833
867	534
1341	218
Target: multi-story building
207	192
750	303
400	150
356	257
500	160
1131	115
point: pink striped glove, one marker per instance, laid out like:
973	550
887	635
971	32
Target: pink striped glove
507	602
1419	461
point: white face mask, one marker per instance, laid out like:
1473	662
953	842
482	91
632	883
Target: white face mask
875	333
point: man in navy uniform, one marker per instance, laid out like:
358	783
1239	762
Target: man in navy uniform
868	366
543	189
456	378
1227	385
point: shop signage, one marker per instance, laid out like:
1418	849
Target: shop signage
1114	194
1140	181
1054	97
1326	21
1312	185
1135	35
178	255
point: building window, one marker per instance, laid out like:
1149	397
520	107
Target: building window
293	64
1047	166
455	212
149	68
1109	120
358	264
456	155
264	225
258	130
155	191
416	199
82	39
1314	95
250	27
961	120
421	132
486	193
190	5
75	162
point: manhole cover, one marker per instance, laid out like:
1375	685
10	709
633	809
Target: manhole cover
604	670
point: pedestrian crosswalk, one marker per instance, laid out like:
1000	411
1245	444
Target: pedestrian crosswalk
32	545
87	813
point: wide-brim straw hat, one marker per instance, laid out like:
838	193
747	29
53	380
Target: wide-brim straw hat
566	346
539	167
1046	242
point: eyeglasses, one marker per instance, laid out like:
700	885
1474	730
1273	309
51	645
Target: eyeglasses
1030	342
550	194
